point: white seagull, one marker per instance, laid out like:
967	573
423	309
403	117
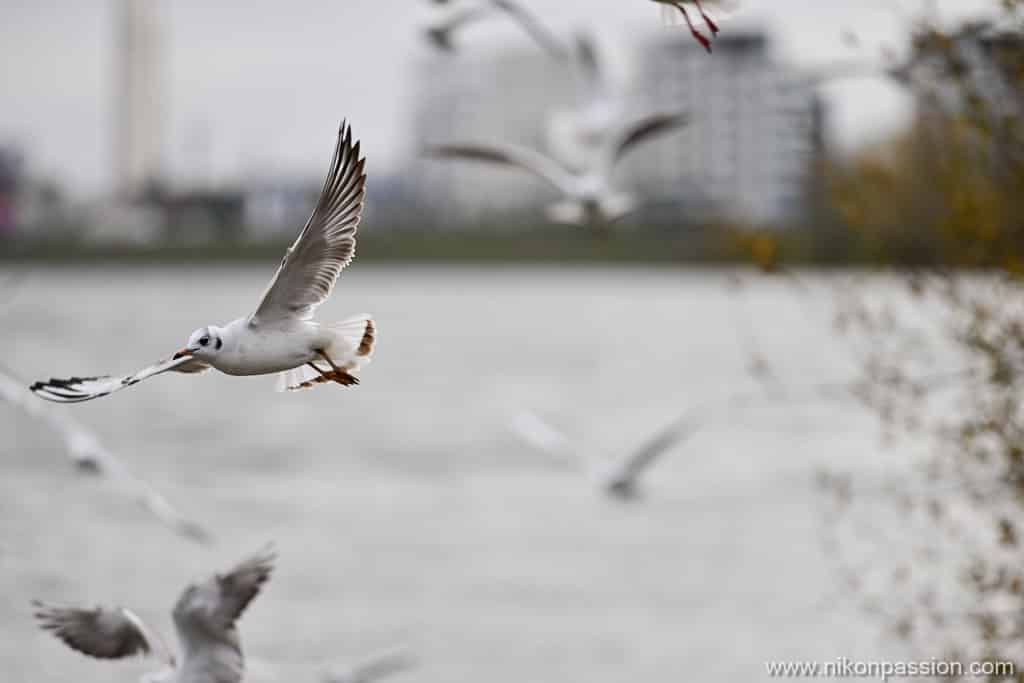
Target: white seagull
280	336
589	197
205	619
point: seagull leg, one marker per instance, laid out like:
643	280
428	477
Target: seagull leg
701	38
707	20
339	375
324	377
323	374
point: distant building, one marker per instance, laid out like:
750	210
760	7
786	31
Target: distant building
275	209
755	129
138	98
202	215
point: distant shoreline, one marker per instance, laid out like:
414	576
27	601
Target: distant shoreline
423	247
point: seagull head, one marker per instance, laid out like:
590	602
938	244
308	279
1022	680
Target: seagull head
204	343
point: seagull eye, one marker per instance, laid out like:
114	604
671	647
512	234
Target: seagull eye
204	341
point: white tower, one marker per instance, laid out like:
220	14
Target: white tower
138	134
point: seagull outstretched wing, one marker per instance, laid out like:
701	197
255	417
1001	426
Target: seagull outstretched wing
78	389
507	155
101	632
325	246
644	128
209	609
621	478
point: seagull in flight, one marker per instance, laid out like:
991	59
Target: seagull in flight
619	479
205	619
280	336
589	197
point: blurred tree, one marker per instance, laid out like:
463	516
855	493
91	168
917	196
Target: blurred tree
943	204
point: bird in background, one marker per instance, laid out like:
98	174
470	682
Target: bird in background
620	477
205	620
280	336
90	456
589	197
674	10
446	17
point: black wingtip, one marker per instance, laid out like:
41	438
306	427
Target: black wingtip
345	132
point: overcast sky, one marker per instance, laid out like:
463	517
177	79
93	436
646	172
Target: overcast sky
261	84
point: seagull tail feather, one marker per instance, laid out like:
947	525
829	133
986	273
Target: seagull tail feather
348	344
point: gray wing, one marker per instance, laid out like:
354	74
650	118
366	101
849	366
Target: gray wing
640	130
216	603
506	155
326	244
101	632
621	480
78	389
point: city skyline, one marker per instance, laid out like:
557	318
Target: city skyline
247	97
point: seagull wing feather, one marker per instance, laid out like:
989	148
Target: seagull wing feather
215	604
78	389
631	467
507	155
101	632
644	128
326	244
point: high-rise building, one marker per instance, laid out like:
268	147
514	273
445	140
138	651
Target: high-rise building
753	133
139	106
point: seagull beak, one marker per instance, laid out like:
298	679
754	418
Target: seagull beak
181	354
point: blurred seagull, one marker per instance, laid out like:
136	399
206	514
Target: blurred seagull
90	455
280	336
205	619
588	195
672	9
449	16
620	478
